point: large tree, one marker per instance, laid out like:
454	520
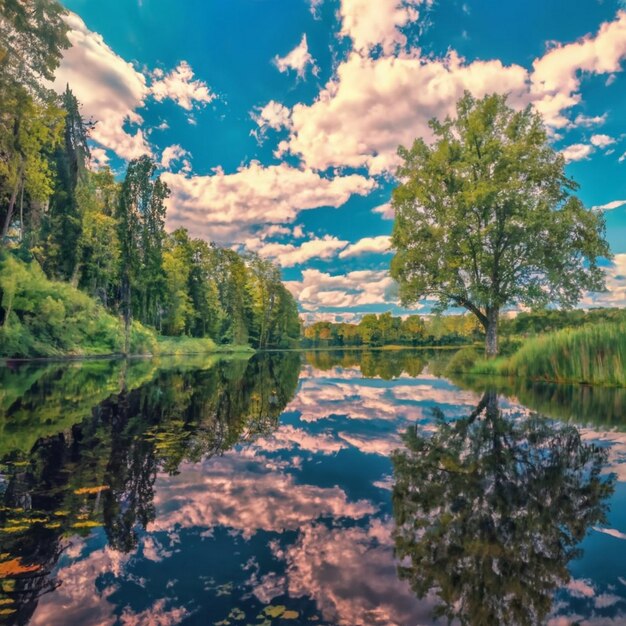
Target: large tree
141	233
486	217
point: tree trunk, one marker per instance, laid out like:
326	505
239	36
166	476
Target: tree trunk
126	298
491	328
12	201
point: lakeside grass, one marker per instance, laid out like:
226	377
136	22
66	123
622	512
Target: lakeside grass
179	346
593	354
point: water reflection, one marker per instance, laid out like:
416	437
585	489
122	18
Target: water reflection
100	470
259	491
491	508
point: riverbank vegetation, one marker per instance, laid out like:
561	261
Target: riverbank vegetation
375	331
80	249
593	354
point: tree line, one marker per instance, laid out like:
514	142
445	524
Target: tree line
388	330
104	236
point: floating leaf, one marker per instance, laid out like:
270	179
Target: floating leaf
274	611
15	567
91	490
87	524
290	615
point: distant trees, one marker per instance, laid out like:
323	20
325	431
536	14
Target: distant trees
384	329
486	217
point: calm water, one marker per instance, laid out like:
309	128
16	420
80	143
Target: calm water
327	488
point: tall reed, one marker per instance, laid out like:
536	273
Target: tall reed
594	354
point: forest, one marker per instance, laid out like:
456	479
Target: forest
86	264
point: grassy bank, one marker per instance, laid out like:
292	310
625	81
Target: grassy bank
40	318
593	354
178	346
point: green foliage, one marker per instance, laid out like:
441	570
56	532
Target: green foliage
485	217
386	330
594	354
47	318
33	35
185	345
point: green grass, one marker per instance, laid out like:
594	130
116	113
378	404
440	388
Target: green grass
178	346
593	354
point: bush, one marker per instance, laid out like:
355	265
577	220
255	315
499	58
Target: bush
44	318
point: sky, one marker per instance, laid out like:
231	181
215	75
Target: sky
276	123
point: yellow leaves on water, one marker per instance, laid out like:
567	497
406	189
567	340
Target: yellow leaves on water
88	491
281	611
15	567
87	524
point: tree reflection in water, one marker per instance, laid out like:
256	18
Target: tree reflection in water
100	470
489	510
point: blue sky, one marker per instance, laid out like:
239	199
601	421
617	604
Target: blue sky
276	121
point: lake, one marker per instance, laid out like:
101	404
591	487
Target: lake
346	488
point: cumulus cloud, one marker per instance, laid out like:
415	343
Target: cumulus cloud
288	254
609	206
615	296
385	211
318	289
273	116
556	76
587	121
180	86
225	207
171	154
602	141
372	24
109	88
349	125
299	60
367	245
577	152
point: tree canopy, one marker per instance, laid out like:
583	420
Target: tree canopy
486	217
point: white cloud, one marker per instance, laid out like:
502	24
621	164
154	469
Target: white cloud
288	255
385	211
109	88
602	141
299	59
556	76
273	115
577	152
615	295
180	86
609	206
350	125
367	245
225	207
317	289
588	121
171	154
370	24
